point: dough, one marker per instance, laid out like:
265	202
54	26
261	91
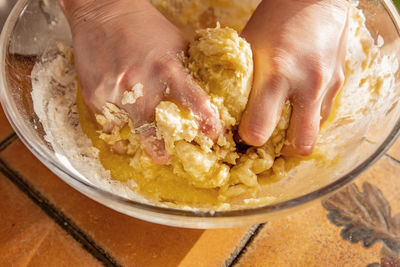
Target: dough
222	63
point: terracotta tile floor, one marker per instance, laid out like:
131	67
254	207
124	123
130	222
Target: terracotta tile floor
29	237
394	151
320	241
43	221
126	240
5	127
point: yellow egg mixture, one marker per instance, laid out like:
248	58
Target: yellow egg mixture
201	172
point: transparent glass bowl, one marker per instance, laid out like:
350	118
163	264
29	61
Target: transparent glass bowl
34	26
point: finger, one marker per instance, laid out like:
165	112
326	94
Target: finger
263	110
141	112
329	99
184	91
338	79
303	129
148	94
153	146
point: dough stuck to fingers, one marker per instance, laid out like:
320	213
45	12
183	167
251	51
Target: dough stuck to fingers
221	63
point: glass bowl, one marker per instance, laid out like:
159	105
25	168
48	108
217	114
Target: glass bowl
34	26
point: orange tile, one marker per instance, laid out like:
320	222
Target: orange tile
59	249
205	253
128	240
5	127
308	238
394	151
29	237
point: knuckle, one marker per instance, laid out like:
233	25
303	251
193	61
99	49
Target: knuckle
338	82
317	76
276	81
95	95
167	66
130	75
340	79
282	62
275	84
317	81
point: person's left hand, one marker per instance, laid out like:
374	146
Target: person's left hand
299	51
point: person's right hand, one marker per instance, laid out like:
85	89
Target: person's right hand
120	43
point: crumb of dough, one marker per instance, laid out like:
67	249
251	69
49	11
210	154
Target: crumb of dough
130	97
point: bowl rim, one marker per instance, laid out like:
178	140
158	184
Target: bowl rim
167	215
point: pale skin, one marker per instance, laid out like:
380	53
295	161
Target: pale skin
299	51
298	46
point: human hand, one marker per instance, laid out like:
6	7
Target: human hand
118	44
299	49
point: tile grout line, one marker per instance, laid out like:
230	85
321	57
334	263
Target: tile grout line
392	159
59	217
71	228
7	141
239	252
87	242
235	258
241	245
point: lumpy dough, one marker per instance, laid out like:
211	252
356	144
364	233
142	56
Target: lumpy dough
205	175
221	63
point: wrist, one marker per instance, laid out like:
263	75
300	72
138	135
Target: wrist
334	2
69	6
83	11
340	4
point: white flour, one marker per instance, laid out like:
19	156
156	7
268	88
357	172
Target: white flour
54	98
